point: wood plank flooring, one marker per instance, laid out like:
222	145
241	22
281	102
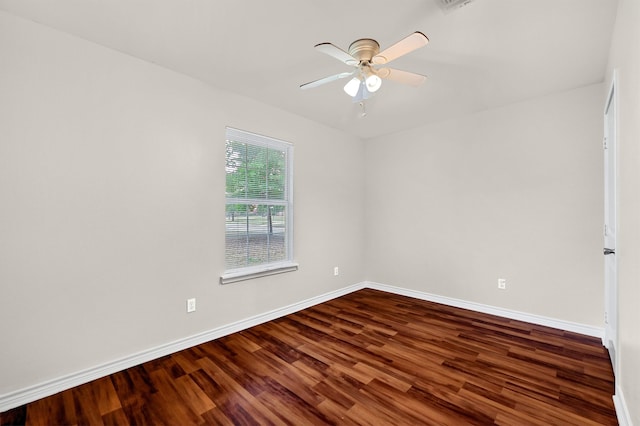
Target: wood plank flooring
367	358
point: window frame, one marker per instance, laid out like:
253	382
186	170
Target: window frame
270	268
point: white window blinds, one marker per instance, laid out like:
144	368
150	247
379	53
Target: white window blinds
258	216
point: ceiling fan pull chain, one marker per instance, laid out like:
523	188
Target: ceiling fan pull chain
364	110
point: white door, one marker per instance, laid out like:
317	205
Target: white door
610	228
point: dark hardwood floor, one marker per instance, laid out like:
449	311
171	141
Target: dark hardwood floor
367	358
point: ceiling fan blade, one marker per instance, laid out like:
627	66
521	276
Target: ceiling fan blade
336	52
404	46
324	80
404	77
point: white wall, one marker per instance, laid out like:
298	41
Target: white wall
625	58
514	192
112	192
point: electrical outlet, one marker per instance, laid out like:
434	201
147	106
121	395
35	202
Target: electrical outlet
191	305
336	271
502	283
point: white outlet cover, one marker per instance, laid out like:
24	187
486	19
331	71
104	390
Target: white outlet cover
191	305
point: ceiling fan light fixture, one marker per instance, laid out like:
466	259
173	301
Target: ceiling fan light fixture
363	93
352	87
373	83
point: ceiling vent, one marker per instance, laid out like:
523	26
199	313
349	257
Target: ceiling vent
449	5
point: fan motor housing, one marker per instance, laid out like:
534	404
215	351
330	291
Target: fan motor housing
364	49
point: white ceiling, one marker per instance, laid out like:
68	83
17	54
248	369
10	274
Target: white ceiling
486	54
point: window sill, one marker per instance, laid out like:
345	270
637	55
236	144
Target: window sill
257	272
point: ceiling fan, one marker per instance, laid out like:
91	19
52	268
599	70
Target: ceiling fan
365	56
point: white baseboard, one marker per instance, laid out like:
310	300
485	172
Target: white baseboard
487	309
41	390
51	387
622	410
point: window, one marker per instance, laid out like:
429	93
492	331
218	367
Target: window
258	216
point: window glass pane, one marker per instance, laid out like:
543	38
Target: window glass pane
255	234
237	221
255	172
278	236
236	170
256	164
276	173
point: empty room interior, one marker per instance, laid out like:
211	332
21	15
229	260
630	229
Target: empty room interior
129	232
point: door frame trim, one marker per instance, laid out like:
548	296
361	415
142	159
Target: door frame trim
612	99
